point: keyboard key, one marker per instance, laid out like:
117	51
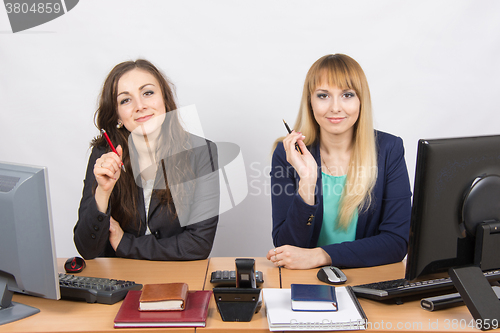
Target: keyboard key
228	278
401	288
94	290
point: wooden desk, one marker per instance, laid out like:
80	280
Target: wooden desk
382	317
259	320
70	316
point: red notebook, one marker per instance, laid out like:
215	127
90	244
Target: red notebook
194	315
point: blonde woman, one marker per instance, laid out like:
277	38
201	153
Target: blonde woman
344	197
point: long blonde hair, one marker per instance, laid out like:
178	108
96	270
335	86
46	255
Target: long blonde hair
344	72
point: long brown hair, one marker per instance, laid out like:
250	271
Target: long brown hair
344	72
124	194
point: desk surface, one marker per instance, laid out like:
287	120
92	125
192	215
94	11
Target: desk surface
390	317
70	316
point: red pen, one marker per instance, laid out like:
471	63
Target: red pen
111	145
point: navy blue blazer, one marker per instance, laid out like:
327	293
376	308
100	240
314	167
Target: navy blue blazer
382	231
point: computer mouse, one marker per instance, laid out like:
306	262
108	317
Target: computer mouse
74	265
332	275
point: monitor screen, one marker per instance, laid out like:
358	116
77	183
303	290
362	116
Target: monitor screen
28	262
445	171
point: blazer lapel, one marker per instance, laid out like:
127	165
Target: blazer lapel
141	209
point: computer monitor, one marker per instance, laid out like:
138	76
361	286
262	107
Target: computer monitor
457	187
28	262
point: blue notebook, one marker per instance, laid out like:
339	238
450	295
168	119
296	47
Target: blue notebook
313	297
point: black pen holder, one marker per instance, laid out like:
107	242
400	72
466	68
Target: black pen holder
237	304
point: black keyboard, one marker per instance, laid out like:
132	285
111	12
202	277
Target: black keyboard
401	288
94	290
228	278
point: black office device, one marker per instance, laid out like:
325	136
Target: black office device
400	289
454	217
94	290
446	301
241	302
28	261
245	273
227	278
441	302
237	304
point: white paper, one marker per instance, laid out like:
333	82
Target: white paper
281	317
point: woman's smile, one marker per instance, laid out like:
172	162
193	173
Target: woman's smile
335	120
144	118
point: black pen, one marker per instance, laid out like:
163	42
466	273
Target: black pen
281	286
290	131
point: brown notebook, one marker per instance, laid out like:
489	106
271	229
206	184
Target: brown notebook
163	297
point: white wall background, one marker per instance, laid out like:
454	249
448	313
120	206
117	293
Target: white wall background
433	68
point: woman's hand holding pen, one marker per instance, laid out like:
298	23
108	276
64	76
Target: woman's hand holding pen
304	164
107	172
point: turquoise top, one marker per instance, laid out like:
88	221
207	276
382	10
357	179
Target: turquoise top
330	234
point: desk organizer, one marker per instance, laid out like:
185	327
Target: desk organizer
237	304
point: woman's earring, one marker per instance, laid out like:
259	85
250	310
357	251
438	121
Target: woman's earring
119	125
